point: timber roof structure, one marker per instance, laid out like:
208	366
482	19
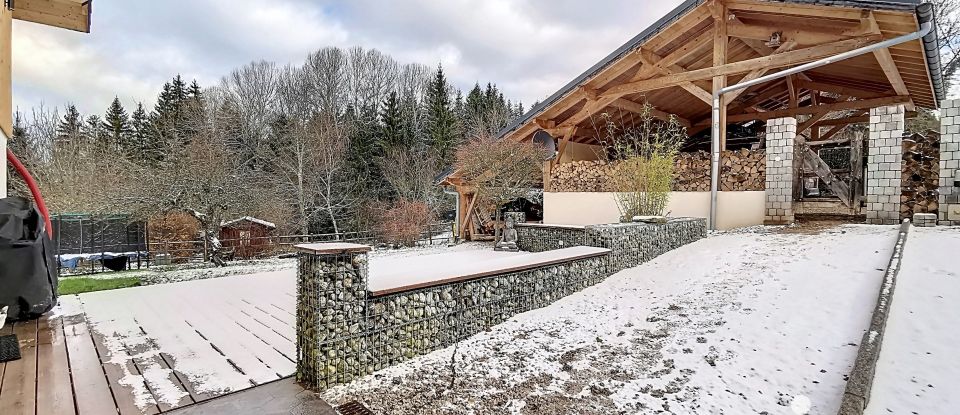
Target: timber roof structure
66	14
703	45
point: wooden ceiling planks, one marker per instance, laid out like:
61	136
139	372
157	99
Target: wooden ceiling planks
691	39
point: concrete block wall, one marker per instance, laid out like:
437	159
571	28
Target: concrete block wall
949	162
884	165
781	133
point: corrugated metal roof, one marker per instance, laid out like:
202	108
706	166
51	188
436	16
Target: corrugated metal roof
924	12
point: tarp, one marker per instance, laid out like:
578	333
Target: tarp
28	271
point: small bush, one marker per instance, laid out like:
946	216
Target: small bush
404	222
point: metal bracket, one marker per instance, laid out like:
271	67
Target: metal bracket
8	4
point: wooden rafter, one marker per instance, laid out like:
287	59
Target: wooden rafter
67	14
839	106
785	47
655	61
772	61
638	108
885	59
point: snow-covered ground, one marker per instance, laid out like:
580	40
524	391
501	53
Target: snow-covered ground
738	323
918	371
198	271
220	335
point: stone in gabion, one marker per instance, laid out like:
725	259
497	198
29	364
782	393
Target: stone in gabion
342	333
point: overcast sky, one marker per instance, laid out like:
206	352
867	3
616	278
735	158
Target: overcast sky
530	48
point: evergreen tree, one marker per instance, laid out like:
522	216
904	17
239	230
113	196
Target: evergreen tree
20	137
116	123
440	121
93	131
366	146
391	123
194	92
70	126
139	134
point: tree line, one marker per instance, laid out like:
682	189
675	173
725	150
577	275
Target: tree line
326	146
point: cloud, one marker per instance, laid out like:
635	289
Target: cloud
530	48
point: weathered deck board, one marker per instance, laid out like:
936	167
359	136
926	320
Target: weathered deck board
86	372
162	347
54	389
124	376
18	393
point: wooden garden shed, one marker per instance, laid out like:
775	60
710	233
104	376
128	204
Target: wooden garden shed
247	237
702	46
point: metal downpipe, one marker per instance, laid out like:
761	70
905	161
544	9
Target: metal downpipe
715	131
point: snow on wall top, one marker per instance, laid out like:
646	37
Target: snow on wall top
388	277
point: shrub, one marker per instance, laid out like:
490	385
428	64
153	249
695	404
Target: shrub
404	222
644	153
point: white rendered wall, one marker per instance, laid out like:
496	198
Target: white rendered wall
734	209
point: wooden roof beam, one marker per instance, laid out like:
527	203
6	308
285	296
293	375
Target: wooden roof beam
839	106
841	90
890	70
785	47
67	14
652	60
638	108
773	61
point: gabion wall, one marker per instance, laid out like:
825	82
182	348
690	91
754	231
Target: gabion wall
344	333
631	244
539	238
331	317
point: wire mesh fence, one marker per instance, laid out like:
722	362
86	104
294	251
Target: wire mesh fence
108	255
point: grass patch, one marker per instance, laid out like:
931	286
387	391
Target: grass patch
77	285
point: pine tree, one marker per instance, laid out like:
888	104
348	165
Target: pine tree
116	123
20	137
440	122
68	131
194	92
139	134
94	132
391	123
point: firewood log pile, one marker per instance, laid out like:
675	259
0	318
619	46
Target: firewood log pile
921	161
740	170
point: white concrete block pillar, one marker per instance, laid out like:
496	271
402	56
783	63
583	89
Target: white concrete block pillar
949	199
884	165
781	133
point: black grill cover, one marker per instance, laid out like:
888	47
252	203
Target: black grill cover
28	272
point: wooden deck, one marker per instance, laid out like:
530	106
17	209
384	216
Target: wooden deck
149	350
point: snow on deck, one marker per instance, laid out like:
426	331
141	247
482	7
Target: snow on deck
918	371
389	275
213	334
732	324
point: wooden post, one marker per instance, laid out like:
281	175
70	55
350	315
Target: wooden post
547	172
6	92
720	40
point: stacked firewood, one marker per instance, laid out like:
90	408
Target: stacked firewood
740	170
921	161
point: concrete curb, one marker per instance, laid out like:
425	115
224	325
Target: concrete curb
857	394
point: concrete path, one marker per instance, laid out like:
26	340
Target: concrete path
918	371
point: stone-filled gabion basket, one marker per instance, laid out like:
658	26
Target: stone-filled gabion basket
331	317
631	244
345	331
411	323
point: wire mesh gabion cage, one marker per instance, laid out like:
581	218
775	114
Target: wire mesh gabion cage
331	302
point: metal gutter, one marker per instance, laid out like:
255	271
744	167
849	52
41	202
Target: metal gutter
925	29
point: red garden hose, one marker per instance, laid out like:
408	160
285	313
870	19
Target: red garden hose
34	190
